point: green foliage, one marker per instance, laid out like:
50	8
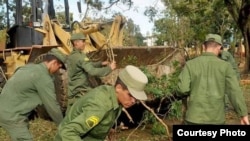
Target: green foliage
158	129
129	60
95	4
151	12
165	85
156	86
187	22
175	110
132	34
171	88
173	80
61	17
3	37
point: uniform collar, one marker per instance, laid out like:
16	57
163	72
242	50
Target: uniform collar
45	68
114	99
77	50
208	54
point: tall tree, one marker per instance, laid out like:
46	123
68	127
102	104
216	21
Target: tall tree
133	36
173	29
197	18
240	11
204	16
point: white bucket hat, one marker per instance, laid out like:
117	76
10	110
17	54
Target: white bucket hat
135	80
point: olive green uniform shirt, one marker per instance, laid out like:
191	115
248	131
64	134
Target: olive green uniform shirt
30	86
91	116
79	67
205	80
227	56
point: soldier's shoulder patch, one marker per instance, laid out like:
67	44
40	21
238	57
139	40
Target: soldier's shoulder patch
86	59
92	121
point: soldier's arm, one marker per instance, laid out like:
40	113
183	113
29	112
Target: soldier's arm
184	82
228	57
81	125
97	64
235	93
99	72
235	66
46	90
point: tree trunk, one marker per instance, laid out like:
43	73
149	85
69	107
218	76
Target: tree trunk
244	25
240	11
246	36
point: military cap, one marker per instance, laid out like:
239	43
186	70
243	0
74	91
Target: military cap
135	80
214	37
78	36
59	55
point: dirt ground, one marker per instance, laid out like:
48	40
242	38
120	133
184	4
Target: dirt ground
45	130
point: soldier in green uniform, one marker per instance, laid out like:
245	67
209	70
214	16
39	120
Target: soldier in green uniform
31	85
204	79
92	116
79	67
228	57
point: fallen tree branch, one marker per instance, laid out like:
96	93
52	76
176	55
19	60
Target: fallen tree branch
160	120
164	59
128	115
134	131
159	107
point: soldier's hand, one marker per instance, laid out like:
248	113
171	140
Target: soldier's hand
111	135
113	65
104	63
244	120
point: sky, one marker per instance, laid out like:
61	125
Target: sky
135	13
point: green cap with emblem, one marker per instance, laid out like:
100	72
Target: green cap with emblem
214	37
135	80
78	36
59	55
